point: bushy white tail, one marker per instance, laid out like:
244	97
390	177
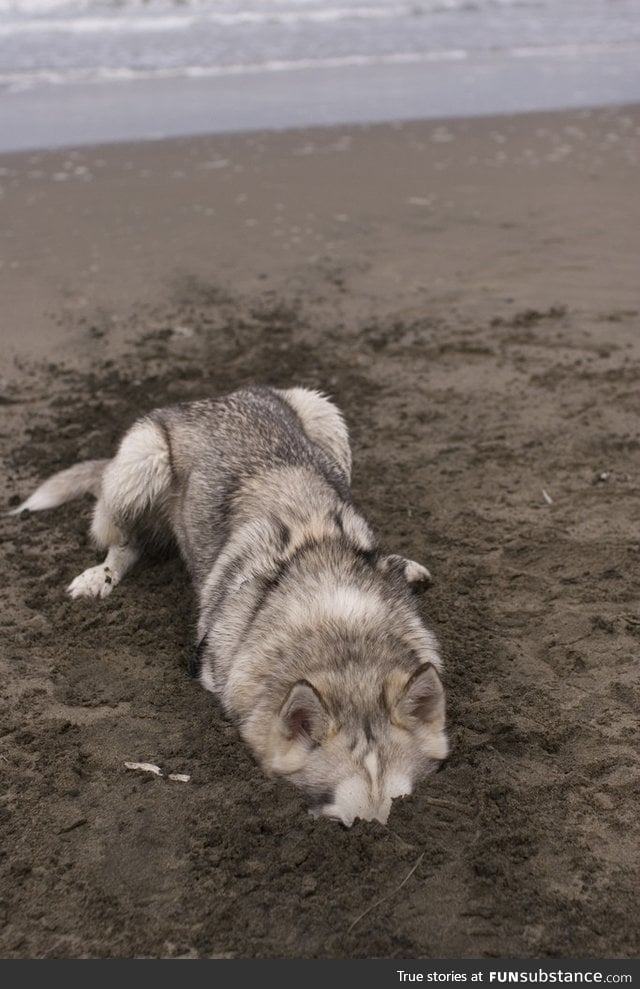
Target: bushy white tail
83	478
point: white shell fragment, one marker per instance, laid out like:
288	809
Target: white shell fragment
547	497
145	767
150	767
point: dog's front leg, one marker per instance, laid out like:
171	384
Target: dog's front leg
417	577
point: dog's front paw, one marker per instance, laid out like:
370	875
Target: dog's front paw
96	582
418	577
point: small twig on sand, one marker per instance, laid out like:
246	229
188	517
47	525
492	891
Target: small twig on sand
404	843
145	767
387	895
438	802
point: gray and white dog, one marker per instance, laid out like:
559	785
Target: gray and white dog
307	632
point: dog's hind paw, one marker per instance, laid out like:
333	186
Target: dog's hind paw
96	582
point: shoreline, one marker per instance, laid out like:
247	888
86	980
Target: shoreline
90	113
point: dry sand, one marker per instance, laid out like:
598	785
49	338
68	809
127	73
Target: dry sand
469	294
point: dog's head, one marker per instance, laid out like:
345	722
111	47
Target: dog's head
354	751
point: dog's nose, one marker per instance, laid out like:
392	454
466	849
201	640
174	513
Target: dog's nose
379	813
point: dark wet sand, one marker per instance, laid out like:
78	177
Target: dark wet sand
468	292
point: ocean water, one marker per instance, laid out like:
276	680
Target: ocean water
47	42
489	55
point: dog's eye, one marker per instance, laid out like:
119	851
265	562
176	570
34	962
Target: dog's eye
324	798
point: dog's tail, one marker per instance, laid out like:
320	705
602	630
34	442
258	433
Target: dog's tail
83	478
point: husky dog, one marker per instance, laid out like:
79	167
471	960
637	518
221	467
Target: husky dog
307	631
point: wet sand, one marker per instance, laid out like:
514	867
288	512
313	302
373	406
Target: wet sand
468	292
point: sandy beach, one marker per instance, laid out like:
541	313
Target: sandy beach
467	291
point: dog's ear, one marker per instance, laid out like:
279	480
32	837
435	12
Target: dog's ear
417	577
303	716
422	700
302	724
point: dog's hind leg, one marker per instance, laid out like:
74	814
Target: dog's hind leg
98	582
135	483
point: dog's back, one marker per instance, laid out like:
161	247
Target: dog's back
223	449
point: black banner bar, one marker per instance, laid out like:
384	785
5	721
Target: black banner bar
331	974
